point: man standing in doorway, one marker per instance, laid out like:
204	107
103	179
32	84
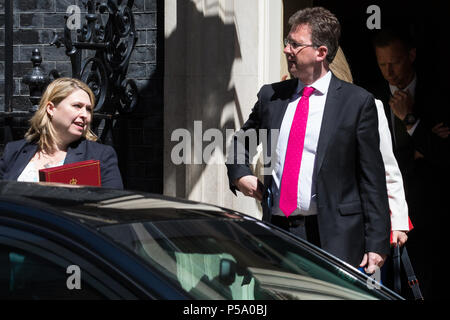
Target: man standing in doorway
412	108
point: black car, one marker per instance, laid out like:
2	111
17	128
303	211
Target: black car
62	242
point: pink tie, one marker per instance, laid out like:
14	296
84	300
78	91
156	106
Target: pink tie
291	171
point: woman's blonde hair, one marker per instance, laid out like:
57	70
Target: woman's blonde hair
41	128
340	67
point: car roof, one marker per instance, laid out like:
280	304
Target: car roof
94	207
102	206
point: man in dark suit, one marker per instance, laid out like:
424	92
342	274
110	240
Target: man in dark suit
340	197
402	94
416	120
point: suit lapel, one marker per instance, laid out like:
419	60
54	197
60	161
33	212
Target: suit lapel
283	101
23	159
280	101
330	115
76	152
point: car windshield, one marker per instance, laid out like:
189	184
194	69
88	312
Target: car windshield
237	259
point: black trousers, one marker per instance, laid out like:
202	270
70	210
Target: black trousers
305	227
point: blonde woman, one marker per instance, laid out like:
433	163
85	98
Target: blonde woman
60	134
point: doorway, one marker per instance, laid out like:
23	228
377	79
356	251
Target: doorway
428	26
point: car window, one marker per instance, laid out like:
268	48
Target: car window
24	275
34	267
236	259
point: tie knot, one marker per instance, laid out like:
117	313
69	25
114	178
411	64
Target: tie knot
307	91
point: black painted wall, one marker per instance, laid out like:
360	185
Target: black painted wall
137	138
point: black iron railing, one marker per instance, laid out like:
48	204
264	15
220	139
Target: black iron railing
113	43
106	48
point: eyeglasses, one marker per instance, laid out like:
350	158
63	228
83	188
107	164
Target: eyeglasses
295	45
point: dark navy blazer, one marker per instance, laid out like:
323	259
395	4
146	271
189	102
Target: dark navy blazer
18	153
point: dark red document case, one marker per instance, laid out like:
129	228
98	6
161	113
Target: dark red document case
82	173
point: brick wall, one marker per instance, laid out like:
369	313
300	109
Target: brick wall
137	138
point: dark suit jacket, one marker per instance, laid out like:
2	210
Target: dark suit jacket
353	210
424	179
431	110
404	145
18	153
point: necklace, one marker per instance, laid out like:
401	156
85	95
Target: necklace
49	164
48	161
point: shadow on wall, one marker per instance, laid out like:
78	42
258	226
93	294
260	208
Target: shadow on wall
138	137
200	55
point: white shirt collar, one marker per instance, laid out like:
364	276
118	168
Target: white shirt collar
321	85
411	87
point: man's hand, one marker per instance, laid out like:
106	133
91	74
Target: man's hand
441	131
399	237
250	186
401	104
371	261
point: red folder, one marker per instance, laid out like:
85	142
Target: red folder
81	173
